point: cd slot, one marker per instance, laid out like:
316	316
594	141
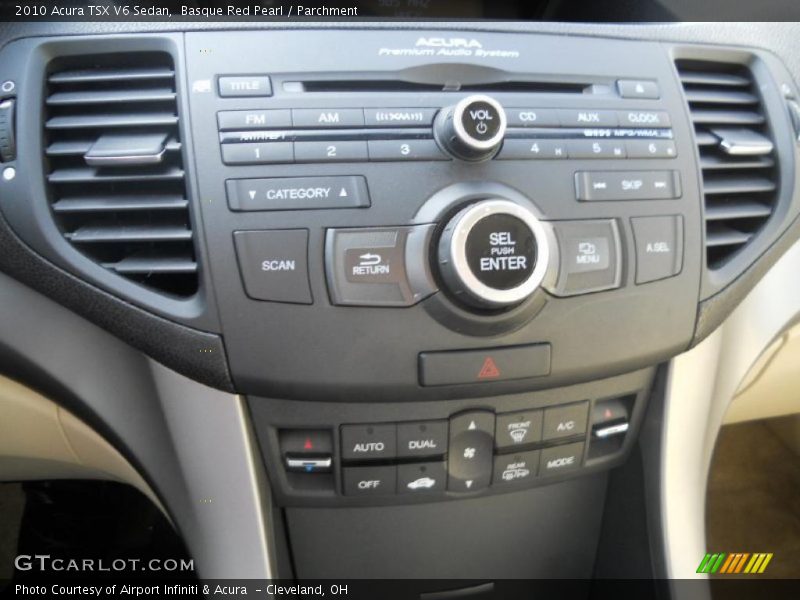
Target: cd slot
399	85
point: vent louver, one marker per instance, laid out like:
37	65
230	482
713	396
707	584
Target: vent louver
115	171
736	154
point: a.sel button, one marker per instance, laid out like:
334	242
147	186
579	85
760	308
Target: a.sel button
419	478
425	438
561	458
565	421
659	247
518	429
369	481
515	468
274	264
369	442
296	193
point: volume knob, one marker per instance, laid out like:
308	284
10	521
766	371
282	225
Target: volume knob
472	129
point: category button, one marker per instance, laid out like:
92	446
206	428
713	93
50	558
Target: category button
516	468
274	264
561	458
565	421
369	481
518	429
296	193
369	442
425	438
399	117
324	118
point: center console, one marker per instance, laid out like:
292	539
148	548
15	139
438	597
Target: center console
442	268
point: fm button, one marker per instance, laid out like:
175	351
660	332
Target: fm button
473	129
493	253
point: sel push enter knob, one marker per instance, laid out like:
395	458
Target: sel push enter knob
493	254
473	129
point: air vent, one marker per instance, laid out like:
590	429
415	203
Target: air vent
740	183
115	171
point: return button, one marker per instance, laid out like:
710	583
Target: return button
297	193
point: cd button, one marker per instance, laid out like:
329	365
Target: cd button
532	117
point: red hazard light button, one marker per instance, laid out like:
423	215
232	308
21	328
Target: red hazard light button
482	366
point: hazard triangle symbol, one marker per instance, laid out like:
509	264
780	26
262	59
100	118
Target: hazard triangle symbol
489	369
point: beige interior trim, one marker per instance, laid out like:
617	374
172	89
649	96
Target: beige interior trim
41	440
772	386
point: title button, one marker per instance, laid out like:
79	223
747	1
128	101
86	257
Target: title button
242	86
